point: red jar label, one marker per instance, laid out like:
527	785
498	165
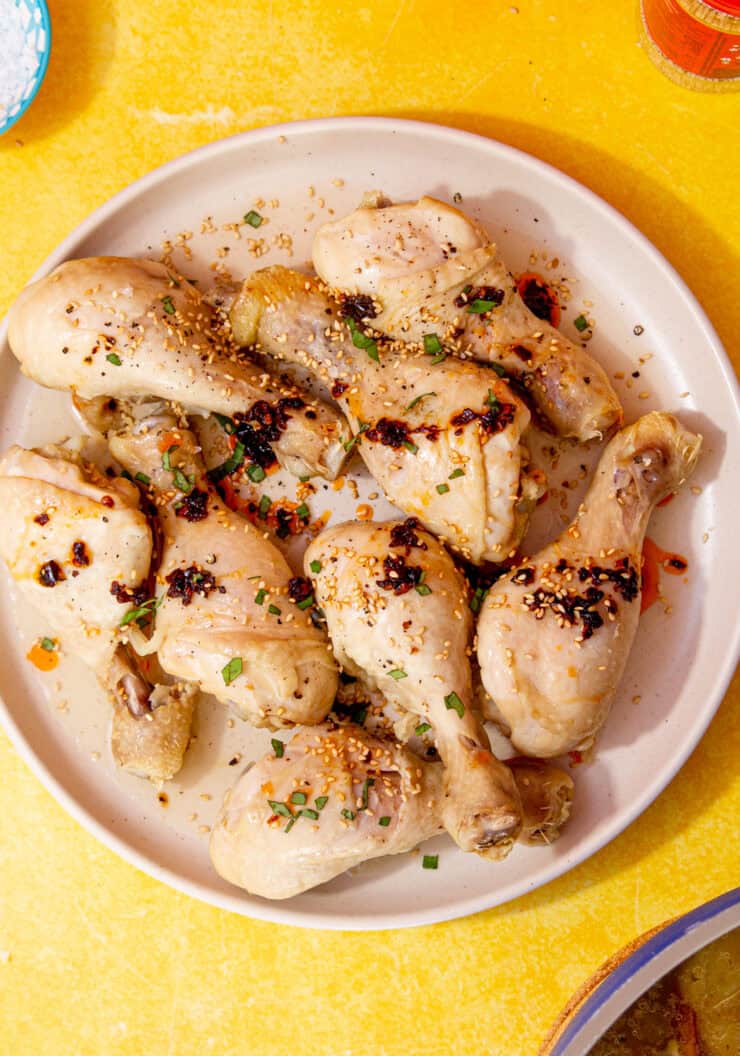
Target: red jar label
689	43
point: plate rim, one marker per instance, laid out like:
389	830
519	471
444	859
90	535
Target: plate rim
279	912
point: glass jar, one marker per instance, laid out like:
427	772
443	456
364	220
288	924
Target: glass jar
694	42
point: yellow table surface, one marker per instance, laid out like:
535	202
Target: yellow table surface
98	958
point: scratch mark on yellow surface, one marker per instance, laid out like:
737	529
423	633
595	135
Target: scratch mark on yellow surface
477	84
394	23
224	115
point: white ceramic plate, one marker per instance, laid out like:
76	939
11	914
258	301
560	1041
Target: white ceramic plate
682	661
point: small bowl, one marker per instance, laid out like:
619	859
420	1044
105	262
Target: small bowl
630	973
38	35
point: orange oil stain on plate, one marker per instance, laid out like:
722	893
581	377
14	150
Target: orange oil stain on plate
655	559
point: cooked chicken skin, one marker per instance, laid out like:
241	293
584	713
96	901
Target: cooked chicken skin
68	535
442	437
115	327
224	618
365	796
397	613
347	780
555	634
430	268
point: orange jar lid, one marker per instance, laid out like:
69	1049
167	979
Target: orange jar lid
700	37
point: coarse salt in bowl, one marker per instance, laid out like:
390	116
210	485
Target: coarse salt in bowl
25	44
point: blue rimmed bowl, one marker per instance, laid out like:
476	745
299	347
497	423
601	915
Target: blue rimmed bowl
30	59
631	972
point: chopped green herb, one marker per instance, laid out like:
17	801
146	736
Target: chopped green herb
304	479
384	821
479	307
232	670
226	423
278	747
183	483
48	644
348	814
298	797
143	478
478	598
290	825
264	506
320	802
280	808
580	323
497	369
253	218
168	305
302	512
273	610
397	673
256	473
423	589
456	473
453	703
349	444
306	603
166	463
260	596
492	402
418	400
422	728
173	280
367	785
443	488
410	446
125	473
360	340
230	466
114	359
315	566
439	359
307	812
432	344
430	861
145	609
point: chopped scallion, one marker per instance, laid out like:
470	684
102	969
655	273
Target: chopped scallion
114	359
580	323
278	747
168	305
443	488
264	506
456	473
256	473
142	478
320	802
48	644
417	400
232	670
432	344
422	728
384	821
280	808
397	673
260	596
430	861
230	466
410	446
253	218
273	610
315	566
453	703
298	797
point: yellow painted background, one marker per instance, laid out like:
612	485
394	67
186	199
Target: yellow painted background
97	958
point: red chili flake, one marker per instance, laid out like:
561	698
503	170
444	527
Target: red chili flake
404	534
42	519
124	596
523	353
299	588
338	389
357	306
107	500
194	507
80	555
400	577
185	582
50	574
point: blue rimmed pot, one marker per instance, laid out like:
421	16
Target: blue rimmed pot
630	973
